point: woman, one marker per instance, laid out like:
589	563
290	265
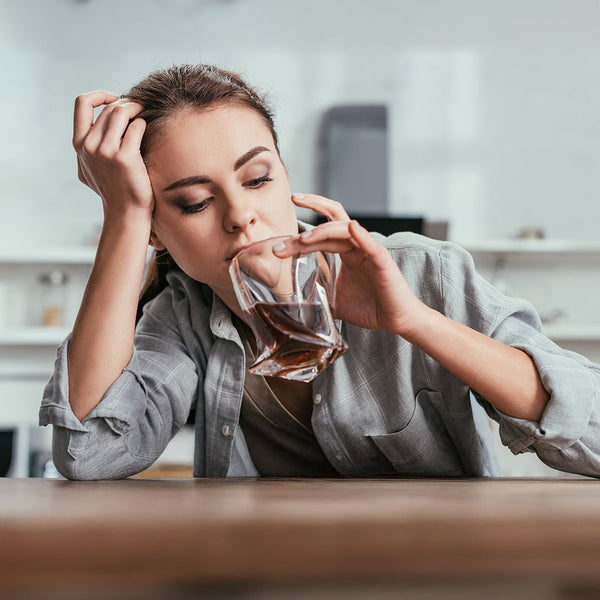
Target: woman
189	161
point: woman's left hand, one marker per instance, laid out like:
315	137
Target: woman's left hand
371	291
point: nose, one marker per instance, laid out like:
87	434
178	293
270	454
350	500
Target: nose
239	214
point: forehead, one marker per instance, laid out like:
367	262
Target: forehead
223	128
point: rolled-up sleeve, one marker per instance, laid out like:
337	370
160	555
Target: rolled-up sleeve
567	437
140	412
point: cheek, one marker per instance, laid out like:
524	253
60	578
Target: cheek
185	245
197	252
194	263
283	205
172	228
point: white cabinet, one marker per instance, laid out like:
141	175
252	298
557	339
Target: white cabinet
27	348
560	278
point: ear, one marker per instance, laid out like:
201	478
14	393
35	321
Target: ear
154	241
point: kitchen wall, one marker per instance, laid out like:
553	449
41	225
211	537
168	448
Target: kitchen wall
493	104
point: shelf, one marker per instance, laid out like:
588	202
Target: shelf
33	336
61	255
77	255
574	333
532	246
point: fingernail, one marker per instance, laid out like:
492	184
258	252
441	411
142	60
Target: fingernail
299	196
306	234
279	247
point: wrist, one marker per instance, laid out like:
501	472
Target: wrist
125	230
131	218
418	324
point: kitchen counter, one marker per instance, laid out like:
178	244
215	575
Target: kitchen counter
192	535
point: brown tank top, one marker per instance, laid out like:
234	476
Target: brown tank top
280	445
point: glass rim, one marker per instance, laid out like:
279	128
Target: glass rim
267	241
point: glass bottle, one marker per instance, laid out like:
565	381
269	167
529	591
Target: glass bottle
53	297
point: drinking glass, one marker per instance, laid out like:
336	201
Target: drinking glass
288	303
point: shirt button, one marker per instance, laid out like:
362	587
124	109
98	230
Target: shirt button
317	399
226	430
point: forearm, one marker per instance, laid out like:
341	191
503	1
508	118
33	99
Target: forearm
505	376
101	343
371	292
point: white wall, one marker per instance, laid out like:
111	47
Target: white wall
494	104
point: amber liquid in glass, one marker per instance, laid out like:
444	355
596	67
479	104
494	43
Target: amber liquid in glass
301	337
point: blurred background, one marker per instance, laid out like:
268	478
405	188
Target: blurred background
493	120
486	124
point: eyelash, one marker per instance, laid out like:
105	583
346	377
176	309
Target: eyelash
253	184
195	208
258	182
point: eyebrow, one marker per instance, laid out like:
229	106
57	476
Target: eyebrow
187	181
200	179
242	160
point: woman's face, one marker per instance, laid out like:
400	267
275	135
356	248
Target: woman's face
219	185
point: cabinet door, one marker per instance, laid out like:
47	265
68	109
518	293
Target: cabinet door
20	400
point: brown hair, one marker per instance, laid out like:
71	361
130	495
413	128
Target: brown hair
181	87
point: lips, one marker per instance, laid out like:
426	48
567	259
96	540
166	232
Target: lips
238	249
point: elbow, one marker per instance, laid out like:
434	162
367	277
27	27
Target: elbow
92	470
67	467
578	458
65	463
78	458
75	468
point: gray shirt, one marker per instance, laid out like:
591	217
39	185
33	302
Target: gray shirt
383	408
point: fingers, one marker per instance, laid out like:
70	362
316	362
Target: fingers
83	115
108	148
331	209
133	136
363	240
339	234
340	237
333	236
107	132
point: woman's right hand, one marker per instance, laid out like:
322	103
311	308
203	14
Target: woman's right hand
108	153
111	164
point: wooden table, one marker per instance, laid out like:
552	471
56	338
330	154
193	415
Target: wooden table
192	535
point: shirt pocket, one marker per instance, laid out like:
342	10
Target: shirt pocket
424	446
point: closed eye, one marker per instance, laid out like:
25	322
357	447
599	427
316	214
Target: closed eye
258	182
196	208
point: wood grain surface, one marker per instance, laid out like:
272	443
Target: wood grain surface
277	530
